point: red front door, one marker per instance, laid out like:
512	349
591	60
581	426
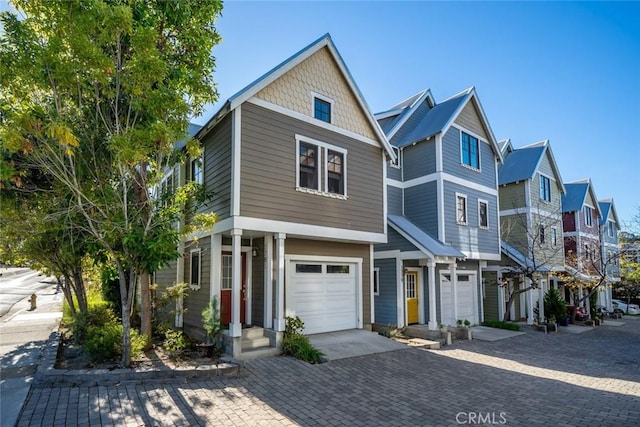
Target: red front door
225	291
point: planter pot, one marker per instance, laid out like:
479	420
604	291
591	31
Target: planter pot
564	322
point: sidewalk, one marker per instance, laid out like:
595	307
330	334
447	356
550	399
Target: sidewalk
23	335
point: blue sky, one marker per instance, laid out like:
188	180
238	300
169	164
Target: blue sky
567	72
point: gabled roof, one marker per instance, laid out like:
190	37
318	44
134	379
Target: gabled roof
256	86
505	146
192	130
576	196
431	246
522	163
394	118
520	259
440	118
608	210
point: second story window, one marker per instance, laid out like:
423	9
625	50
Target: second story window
470	149
322	168
461	209
554	237
541	234
588	217
194	281
196	171
322	109
483	214
545	188
610	228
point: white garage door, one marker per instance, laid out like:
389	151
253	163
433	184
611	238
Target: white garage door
323	295
465	306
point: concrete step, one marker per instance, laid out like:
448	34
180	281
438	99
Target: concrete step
421	332
253	332
260	353
253	343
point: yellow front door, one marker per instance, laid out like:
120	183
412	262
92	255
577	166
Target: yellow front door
411	288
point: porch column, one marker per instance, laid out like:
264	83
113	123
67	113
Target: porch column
179	318
216	261
501	302
268	281
523	297
541	292
529	302
433	322
278	320
454	289
235	328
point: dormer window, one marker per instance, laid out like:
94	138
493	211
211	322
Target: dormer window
322	108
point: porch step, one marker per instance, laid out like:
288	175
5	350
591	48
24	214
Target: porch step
259	353
253	332
421	332
253	343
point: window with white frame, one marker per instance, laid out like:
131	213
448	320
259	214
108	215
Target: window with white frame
227	269
470	151
396	163
545	188
322	108
554	237
541	234
196	170
610	229
483	214
321	167
588	255
194	279
588	218
461	209
376	281
167	187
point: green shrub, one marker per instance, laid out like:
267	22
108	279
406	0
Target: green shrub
105	342
175	340
299	347
293	326
97	315
554	305
501	324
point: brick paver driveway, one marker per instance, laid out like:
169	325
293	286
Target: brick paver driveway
584	379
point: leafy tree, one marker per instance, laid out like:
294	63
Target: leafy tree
95	96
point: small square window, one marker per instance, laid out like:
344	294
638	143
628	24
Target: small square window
376	281
322	109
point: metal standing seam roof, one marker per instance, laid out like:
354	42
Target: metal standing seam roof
520	258
575	196
425	242
435	120
605	208
191	133
520	165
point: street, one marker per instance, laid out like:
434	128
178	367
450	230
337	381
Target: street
18	283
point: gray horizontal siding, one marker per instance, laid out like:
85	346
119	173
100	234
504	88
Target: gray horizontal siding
512	196
421	206
217	167
268	175
386	310
395	241
411	123
257	283
452	161
470	237
167	276
196	301
490	300
394	200
420	159
394	173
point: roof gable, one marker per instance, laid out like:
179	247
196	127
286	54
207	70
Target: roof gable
579	193
523	163
322	48
403	111
608	211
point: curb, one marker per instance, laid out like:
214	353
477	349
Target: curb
47	375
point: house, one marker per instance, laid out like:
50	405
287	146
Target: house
442	200
297	164
530	191
581	216
609	250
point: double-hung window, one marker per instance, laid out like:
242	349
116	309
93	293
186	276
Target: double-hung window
541	234
545	188
196	171
461	209
610	229
554	237
194	280
483	214
588	217
322	108
470	148
322	168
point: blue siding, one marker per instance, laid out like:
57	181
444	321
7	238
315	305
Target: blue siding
470	237
419	159
394	173
394	200
411	123
452	162
421	206
395	241
386	311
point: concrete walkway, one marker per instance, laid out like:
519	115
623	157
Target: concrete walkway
352	343
485	333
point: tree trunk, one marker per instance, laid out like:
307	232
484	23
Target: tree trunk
125	285
66	291
81	293
145	309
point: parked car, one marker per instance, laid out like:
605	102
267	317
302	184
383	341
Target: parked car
628	309
581	312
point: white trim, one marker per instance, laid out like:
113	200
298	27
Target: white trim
323	149
386	254
440	190
236	137
198	284
398	163
540	176
385	208
462	163
486	203
376	273
302	117
426	94
445	177
215	273
482	255
466	209
268	281
394	183
531	210
326	99
461	128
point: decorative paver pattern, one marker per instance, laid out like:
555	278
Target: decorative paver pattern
589	379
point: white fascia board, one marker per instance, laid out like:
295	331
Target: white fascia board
412	109
482	255
386	254
424	250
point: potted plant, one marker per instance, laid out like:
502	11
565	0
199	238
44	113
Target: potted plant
467	323
552	326
556	307
212	325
